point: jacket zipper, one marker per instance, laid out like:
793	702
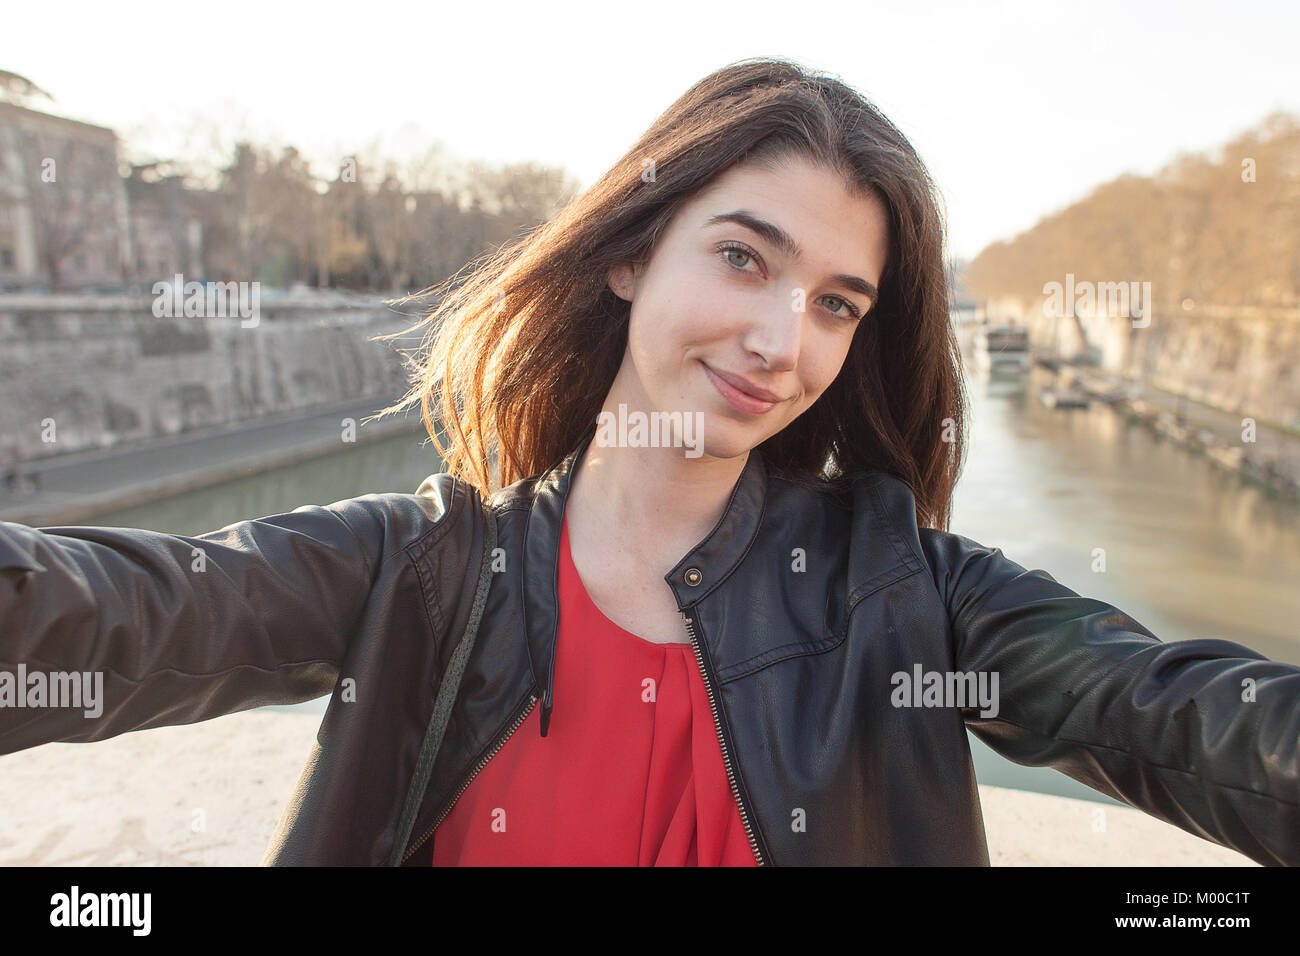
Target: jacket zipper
722	742
501	742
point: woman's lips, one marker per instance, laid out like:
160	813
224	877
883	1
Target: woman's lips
741	401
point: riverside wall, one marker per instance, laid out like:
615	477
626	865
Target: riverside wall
1238	360
81	374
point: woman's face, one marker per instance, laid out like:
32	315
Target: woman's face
745	311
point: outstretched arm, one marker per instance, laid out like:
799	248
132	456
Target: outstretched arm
1203	734
176	629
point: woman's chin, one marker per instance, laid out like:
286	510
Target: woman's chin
725	440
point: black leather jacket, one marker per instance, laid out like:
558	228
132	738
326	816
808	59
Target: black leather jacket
383	599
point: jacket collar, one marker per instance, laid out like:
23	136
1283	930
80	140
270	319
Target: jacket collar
693	578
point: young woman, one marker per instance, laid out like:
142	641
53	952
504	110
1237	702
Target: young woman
684	593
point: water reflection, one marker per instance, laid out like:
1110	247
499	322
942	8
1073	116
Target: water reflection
1189	550
398	464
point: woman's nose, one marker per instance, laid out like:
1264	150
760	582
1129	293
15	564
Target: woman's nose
775	334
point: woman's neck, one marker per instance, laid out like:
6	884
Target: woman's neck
657	501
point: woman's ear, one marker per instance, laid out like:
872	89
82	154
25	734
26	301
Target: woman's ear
622	280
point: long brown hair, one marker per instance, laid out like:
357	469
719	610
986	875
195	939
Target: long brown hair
521	351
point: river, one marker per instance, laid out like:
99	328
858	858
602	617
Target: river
1189	551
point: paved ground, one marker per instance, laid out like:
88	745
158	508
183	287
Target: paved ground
1270	443
210	794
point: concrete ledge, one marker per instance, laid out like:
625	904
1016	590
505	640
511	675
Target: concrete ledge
135	800
1033	829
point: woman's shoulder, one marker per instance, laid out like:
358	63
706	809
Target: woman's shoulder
884	495
875	515
390	522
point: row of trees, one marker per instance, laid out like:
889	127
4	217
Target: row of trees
261	213
370	225
1218	230
1221	230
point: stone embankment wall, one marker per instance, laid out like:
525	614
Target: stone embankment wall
1240	360
108	372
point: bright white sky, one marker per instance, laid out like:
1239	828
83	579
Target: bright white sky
1018	107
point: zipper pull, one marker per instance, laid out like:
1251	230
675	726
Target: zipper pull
548	698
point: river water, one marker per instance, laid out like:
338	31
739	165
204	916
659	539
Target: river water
1189	551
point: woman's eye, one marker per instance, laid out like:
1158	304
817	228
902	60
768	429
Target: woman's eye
851	310
733	250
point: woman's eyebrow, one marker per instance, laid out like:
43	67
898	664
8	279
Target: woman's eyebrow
785	242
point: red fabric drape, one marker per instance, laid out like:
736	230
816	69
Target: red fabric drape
629	774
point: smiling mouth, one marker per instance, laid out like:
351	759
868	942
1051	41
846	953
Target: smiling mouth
734	392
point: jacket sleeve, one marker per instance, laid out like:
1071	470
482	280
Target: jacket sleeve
1203	734
175	629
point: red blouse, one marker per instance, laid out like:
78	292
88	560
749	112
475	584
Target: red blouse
630	772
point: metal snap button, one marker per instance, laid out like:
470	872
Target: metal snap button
693	577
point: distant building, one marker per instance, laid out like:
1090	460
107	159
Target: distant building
963	299
63	210
166	228
1006	309
70	221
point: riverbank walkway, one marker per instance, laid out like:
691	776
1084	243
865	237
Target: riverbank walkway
1271	457
71	489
